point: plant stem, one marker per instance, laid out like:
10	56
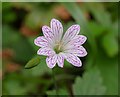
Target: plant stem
55	82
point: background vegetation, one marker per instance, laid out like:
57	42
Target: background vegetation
21	24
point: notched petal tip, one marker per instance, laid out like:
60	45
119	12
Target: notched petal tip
51	61
82	39
84	52
49	66
80	65
61	66
35	41
79	39
56	21
85	38
38	52
74	60
46	51
41	41
60	60
53	19
76	26
45	28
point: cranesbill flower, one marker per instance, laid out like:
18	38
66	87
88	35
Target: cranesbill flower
58	46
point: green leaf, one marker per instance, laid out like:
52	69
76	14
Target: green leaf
105	19
14	36
38	70
96	28
115	29
13	39
90	84
108	68
18	89
109	71
60	92
12	85
110	45
33	62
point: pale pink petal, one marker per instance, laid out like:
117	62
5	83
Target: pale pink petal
75	43
60	60
47	31
45	51
71	33
74	60
48	34
57	29
41	41
79	39
78	51
51	61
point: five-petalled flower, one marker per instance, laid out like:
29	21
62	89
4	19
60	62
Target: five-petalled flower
58	46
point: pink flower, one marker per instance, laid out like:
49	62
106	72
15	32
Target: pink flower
58	46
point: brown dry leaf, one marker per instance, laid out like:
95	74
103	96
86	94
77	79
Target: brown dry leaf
26	31
6	53
12	67
62	12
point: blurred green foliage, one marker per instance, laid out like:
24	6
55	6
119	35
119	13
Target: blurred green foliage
21	24
83	86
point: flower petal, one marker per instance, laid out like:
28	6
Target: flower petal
71	33
60	60
48	34
51	61
47	31
78	51
75	43
74	60
57	29
80	39
41	41
45	51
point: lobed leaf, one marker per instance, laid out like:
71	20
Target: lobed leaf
90	84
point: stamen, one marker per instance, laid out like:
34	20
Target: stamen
58	48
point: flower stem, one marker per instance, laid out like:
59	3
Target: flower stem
55	82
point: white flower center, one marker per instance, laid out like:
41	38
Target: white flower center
58	47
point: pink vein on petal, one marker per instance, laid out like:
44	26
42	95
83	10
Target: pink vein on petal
60	60
45	51
57	29
78	51
74	60
51	61
41	41
71	33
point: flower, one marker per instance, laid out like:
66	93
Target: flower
58	47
